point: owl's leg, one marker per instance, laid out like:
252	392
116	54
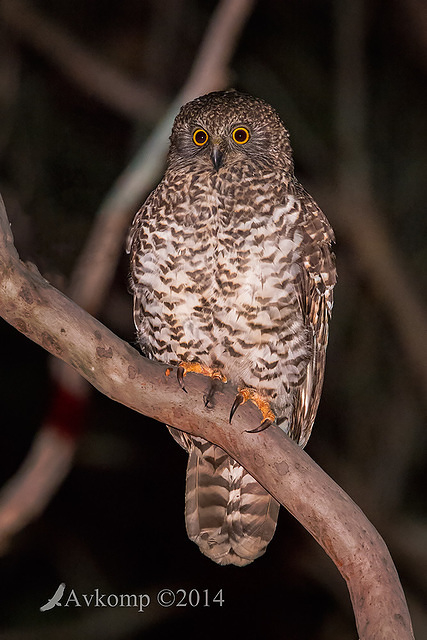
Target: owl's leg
196	367
263	405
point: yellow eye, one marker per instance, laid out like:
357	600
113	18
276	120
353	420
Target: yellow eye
240	135
200	137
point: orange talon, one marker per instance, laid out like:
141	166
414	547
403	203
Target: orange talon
196	367
263	405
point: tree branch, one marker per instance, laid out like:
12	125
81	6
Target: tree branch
46	316
24	497
34	483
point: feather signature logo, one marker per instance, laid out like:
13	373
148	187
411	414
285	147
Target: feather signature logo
95	599
140	601
54	601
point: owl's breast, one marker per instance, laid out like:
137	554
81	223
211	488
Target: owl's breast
218	282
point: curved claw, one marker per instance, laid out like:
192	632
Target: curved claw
262	427
197	367
180	373
247	393
238	400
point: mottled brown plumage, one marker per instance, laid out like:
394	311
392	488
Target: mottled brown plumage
231	266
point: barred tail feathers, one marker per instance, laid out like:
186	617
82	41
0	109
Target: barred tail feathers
228	514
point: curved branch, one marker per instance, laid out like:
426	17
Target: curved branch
24	497
46	316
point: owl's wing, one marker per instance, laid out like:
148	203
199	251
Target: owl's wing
137	246
133	247
318	277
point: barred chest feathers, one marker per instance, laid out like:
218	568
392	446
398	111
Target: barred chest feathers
218	277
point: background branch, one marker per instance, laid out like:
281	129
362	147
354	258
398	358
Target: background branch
359	220
96	265
97	78
35	308
97	262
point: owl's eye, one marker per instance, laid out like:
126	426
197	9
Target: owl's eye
200	137
240	135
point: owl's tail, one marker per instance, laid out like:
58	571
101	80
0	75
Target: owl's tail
227	512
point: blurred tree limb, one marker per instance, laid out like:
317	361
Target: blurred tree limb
359	223
414	13
97	262
51	455
52	320
359	219
90	73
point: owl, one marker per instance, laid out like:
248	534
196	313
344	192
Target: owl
232	276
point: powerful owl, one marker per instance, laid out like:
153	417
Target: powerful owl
232	276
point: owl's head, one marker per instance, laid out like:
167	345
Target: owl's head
223	128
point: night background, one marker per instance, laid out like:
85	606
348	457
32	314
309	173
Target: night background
349	81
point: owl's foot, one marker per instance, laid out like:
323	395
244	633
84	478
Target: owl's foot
263	405
196	367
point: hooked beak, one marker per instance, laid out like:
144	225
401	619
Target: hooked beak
216	156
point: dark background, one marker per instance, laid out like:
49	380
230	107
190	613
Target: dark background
116	523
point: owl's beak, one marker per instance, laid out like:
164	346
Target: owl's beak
216	156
